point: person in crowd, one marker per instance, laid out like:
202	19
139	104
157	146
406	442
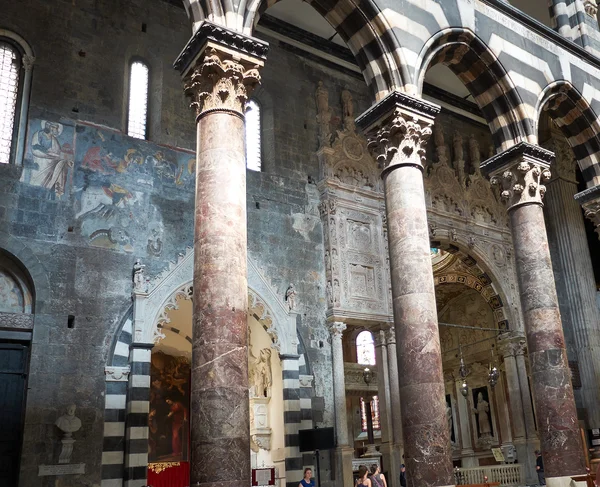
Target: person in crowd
539	467
307	481
377	477
403	475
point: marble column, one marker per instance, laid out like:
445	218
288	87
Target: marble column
520	172
590	201
464	422
219	69
398	128
343	451
396	439
575	281
383	393
513	349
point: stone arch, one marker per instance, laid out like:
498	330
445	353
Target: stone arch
33	269
578	122
365	30
479	69
478	277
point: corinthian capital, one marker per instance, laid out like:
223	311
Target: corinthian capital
519	173
337	329
590	201
398	128
591	8
512	346
220	69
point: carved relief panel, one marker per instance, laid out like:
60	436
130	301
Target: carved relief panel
353	216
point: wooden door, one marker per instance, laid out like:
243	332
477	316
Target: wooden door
13	368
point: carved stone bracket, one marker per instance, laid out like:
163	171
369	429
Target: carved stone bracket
519	172
220	68
590	201
116	374
591	8
337	329
398	128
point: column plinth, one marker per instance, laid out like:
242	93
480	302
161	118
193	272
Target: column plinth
219	69
398	128
520	172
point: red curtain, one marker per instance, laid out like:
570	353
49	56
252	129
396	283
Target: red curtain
172	476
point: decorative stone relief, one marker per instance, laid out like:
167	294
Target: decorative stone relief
591	210
220	82
260	430
116	374
591	8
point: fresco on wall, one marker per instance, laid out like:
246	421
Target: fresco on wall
12	299
116	176
168	420
50	156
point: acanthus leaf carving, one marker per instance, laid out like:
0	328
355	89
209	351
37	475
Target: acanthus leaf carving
220	82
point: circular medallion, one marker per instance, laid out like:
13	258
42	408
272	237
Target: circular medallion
353	148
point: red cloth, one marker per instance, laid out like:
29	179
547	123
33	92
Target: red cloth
171	477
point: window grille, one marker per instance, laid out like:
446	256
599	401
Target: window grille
253	136
9	93
137	121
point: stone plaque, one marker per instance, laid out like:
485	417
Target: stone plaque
68	469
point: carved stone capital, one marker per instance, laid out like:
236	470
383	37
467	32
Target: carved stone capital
519	172
220	69
379	337
390	336
397	129
590	201
337	329
591	8
513	346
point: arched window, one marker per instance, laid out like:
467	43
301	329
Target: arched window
253	133
137	115
10	88
374	413
365	348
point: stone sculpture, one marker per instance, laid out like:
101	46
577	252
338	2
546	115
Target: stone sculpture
481	410
139	277
290	297
263	377
348	110
68	423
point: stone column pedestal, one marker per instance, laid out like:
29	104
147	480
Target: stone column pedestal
398	128
520	172
219	69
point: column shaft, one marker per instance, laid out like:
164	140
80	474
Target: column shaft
219	75
398	128
520	172
576	287
339	383
464	421
514	397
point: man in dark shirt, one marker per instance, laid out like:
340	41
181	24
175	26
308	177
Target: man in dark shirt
539	467
403	476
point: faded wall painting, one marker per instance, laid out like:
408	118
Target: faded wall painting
50	156
13	297
168	419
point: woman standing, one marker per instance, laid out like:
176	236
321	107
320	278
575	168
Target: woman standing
307	481
363	480
377	477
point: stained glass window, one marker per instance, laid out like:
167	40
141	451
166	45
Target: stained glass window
9	91
365	348
137	121
253	135
374	413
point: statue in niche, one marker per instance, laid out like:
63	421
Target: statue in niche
68	423
329	293
440	147
323	114
459	158
336	292
139	277
263	377
475	154
449	417
290	297
348	110
482	409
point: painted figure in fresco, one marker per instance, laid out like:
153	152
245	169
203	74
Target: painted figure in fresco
11	298
481	410
53	160
178	415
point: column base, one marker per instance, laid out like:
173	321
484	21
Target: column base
467	459
526	457
564	482
343	466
